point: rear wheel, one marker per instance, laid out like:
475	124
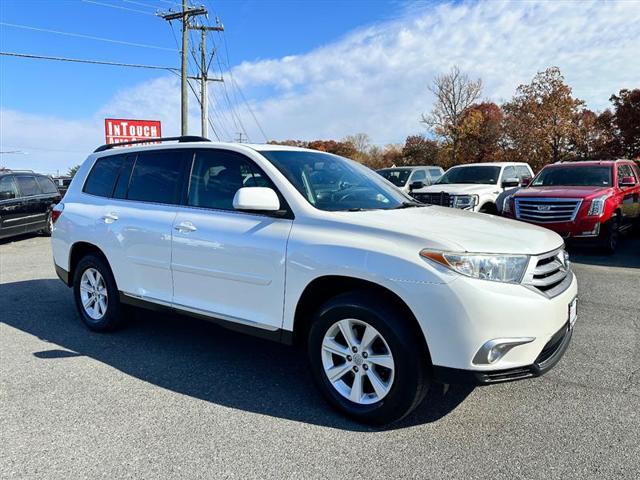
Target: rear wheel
366	359
96	294
46	231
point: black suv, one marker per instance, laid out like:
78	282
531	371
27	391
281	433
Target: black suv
26	201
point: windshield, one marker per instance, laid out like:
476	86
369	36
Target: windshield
397	176
596	176
486	175
333	183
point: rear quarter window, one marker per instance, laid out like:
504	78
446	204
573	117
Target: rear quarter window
103	175
47	185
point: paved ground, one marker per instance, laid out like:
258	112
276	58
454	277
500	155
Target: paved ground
173	397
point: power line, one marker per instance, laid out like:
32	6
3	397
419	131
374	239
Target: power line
117	6
82	35
95	62
142	4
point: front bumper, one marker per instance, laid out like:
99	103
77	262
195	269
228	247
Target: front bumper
548	358
459	317
588	227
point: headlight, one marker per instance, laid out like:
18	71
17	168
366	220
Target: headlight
597	205
498	268
506	206
465	201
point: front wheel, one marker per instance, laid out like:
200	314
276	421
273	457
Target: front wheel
367	359
612	235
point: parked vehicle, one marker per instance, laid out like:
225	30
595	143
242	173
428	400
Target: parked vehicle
474	186
410	178
385	294
590	201
26	202
62	183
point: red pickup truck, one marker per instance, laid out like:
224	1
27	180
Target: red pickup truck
590	201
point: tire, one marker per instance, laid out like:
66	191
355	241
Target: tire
104	312
489	208
46	231
611	237
403	386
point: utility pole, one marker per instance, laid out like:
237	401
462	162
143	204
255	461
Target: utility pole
204	75
186	13
239	140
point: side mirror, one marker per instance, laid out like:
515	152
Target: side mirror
627	182
525	181
417	185
7	195
257	199
510	182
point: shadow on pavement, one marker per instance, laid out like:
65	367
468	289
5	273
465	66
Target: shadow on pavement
194	358
627	255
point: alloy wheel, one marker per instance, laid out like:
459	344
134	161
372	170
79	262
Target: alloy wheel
357	361
93	294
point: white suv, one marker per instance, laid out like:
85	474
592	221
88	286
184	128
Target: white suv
475	186
386	295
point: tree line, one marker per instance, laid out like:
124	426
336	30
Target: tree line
543	123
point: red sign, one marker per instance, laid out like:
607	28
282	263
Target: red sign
117	130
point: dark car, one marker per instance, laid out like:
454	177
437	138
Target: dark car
26	201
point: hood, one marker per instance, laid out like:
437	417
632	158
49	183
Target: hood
459	230
460	189
562	192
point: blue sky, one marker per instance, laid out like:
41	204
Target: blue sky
306	69
255	29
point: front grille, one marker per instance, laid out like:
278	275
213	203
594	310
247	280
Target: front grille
547	210
550	275
438	198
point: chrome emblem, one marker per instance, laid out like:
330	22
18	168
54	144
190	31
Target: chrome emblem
544	208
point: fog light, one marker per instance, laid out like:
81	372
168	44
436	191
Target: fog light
495	349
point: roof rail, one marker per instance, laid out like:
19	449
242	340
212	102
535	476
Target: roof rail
181	139
15	171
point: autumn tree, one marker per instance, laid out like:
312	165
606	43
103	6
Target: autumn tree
419	150
540	119
481	133
454	92
626	106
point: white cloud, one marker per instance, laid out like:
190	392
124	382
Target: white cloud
374	80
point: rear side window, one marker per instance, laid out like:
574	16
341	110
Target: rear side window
122	184
27	185
103	176
158	177
46	185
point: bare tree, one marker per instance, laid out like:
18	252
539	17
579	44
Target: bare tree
361	141
454	92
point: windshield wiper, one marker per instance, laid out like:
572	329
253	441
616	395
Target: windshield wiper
409	205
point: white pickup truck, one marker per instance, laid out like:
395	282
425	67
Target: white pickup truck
474	186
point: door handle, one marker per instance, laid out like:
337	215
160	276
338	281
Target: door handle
186	227
110	218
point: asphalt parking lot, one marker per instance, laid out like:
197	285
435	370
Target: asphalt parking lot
175	397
